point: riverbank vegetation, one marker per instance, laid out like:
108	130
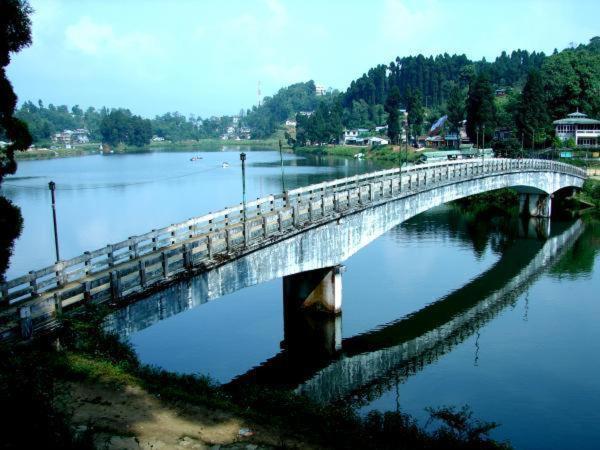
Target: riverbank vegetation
38	383
388	155
501	202
590	194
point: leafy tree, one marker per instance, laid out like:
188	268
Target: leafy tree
302	130
572	80
481	109
392	106
15	34
336	128
378	114
121	127
358	115
532	115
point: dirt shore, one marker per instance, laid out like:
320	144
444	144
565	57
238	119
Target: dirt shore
129	417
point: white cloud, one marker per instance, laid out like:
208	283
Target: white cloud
278	15
405	21
44	18
100	39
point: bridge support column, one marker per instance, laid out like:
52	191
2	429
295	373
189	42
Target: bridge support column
535	205
319	290
312	303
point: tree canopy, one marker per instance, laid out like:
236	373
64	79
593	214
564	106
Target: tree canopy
392	107
122	127
532	119
15	34
481	109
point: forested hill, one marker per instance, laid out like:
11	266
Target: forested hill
363	102
266	118
434	77
429	87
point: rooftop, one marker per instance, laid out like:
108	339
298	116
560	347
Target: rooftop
576	118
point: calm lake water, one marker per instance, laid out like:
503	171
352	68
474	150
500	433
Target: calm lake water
501	315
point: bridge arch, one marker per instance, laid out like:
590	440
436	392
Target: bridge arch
332	243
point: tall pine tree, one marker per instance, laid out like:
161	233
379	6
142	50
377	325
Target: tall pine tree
481	110
392	106
532	117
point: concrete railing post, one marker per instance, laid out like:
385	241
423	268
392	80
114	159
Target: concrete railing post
115	285
165	264
57	305
142	273
26	322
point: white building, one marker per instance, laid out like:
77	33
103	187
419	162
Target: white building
375	141
290	123
352	136
320	89
577	126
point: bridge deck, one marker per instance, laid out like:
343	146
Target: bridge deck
137	265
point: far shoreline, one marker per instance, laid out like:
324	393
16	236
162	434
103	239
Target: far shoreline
164	146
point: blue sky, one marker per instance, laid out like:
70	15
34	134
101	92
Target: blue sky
206	57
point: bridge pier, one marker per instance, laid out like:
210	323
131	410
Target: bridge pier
312	304
319	290
535	205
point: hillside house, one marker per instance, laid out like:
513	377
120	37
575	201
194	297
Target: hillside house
577	126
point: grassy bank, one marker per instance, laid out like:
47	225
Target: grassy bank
46	153
37	383
385	153
209	143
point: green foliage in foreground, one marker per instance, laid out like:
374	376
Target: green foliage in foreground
30	379
482	206
591	191
11	223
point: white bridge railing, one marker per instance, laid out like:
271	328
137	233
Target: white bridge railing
150	260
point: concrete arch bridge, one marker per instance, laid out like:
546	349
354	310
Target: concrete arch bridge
301	235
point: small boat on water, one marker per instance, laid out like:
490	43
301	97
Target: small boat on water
195	158
225	165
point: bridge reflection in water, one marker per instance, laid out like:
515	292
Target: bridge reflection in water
316	361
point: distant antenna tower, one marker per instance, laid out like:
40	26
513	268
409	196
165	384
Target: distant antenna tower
258	93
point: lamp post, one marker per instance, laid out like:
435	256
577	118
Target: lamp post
522	144
243	159
483	147
52	187
281	160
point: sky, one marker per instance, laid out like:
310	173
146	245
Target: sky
206	57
